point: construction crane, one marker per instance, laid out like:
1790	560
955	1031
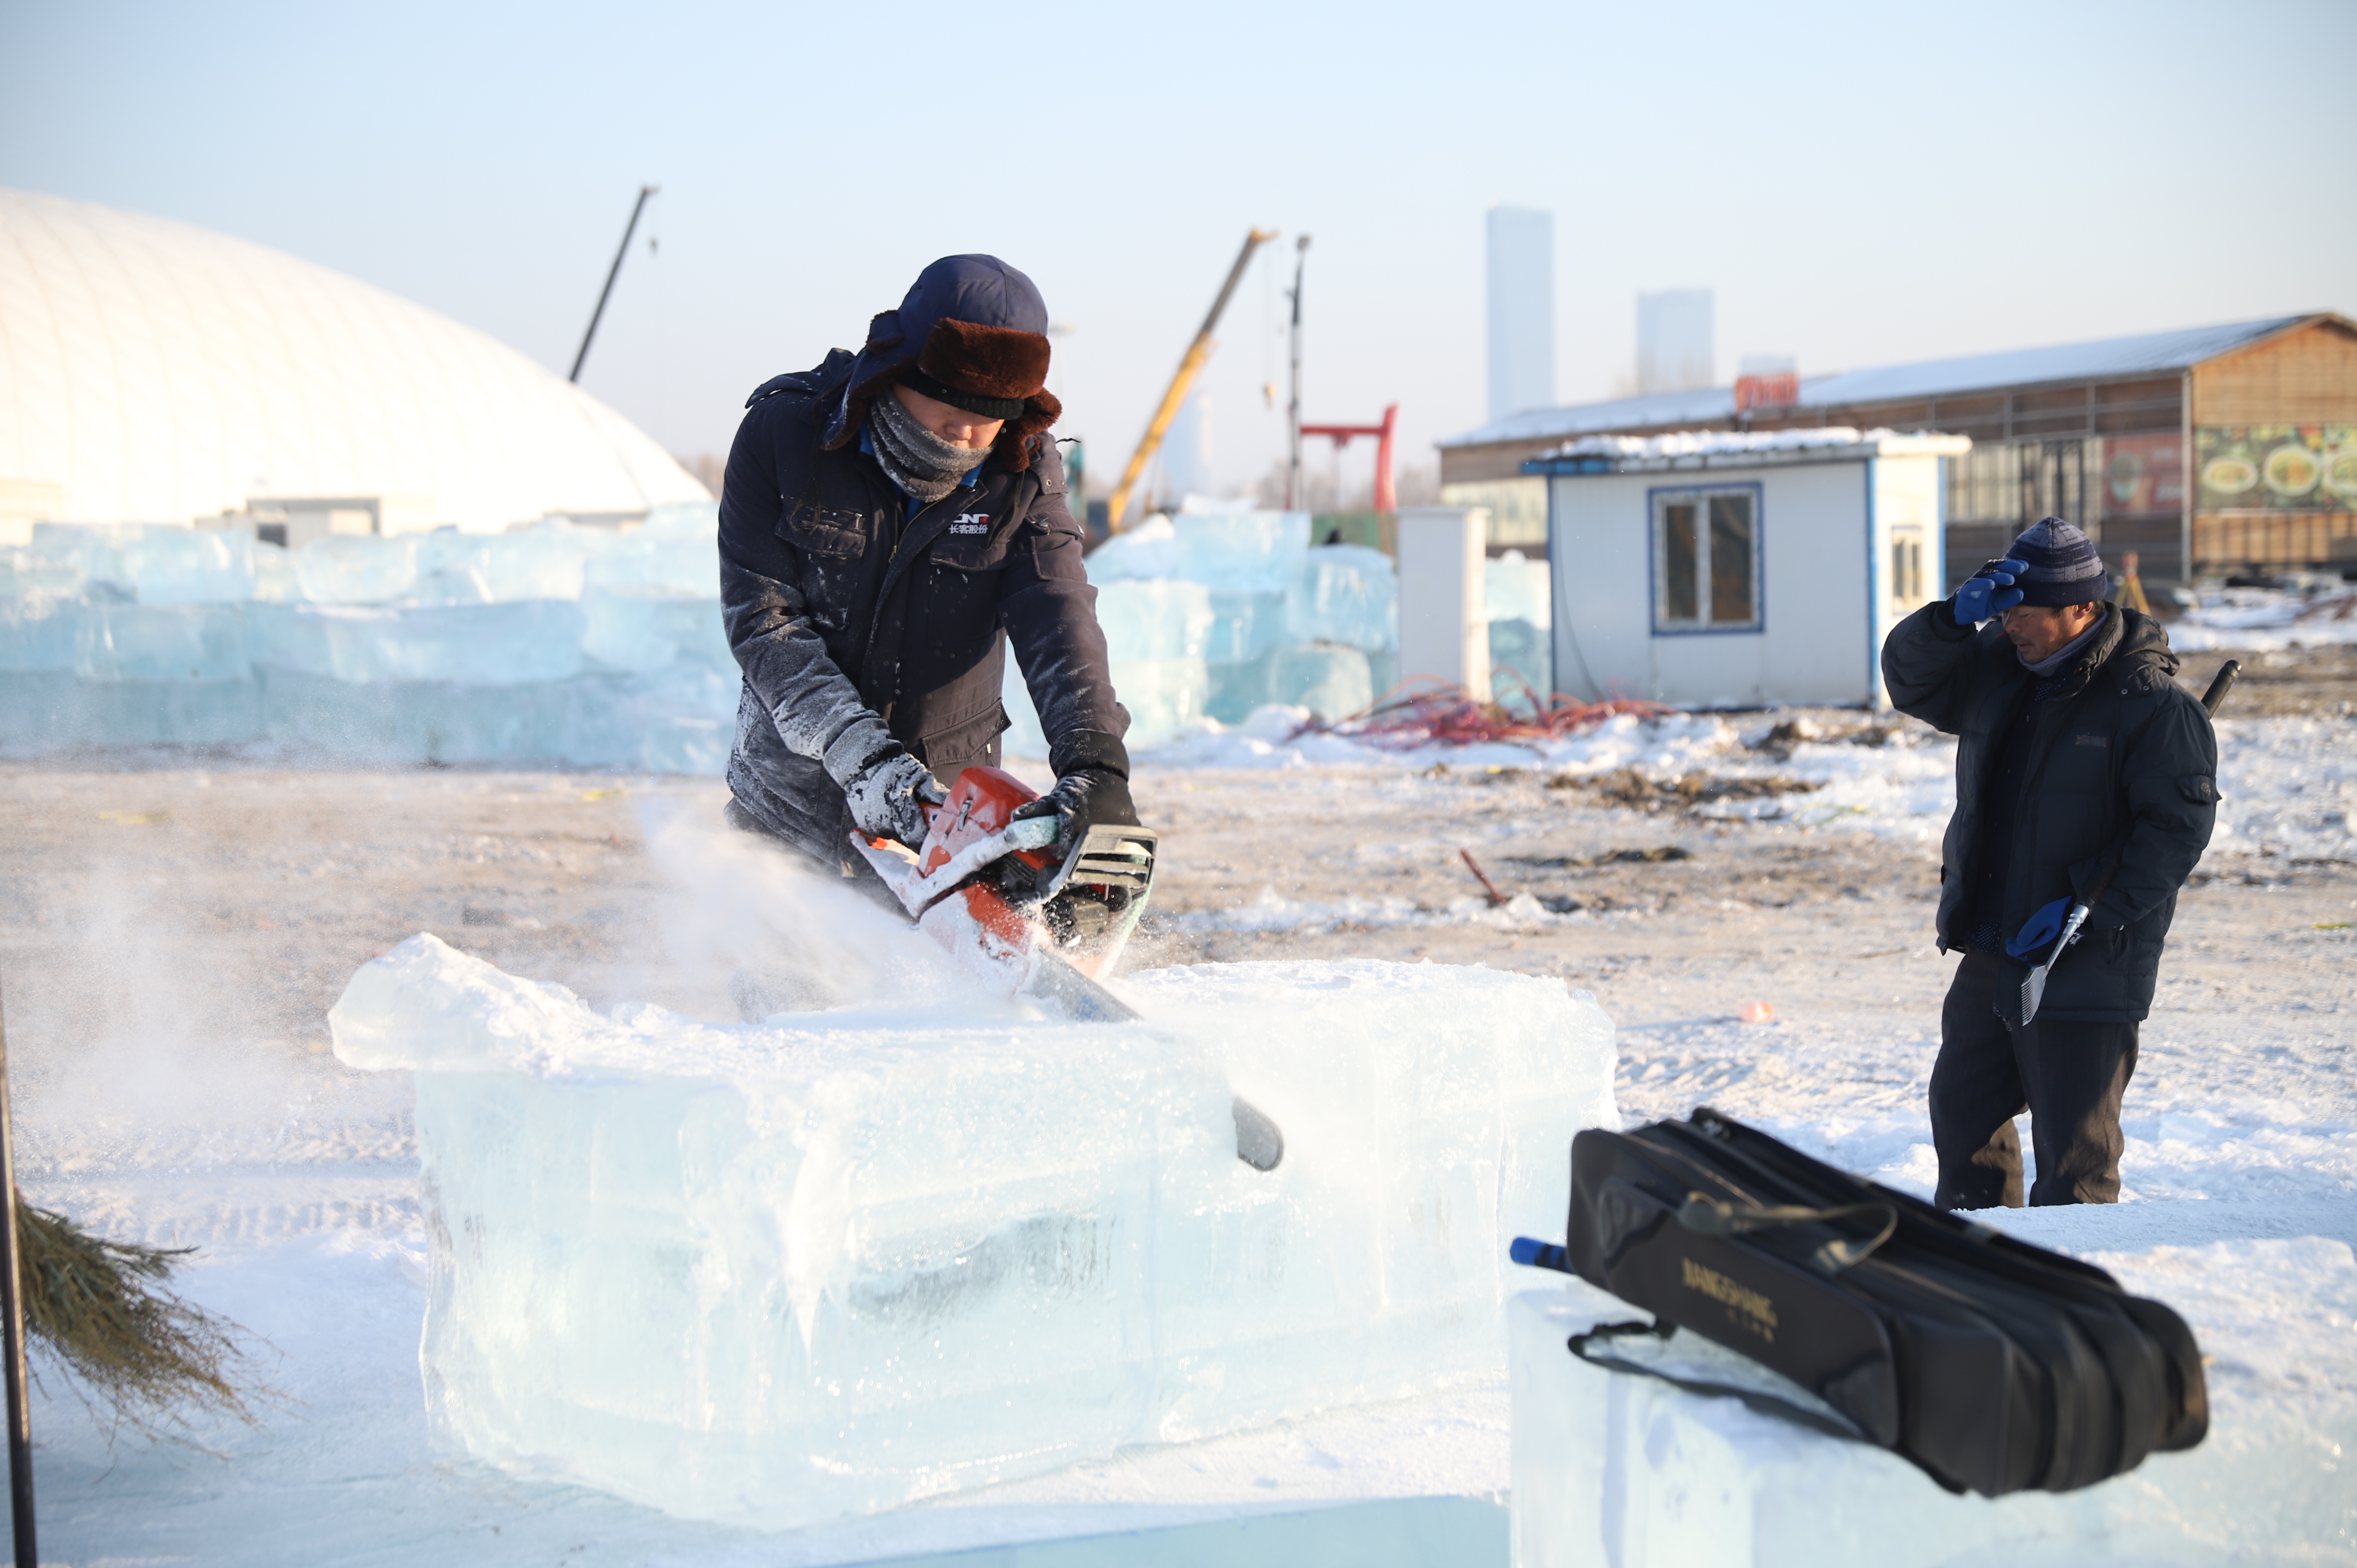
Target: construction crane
1189	368
611	274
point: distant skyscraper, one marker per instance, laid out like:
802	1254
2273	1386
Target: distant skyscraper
1187	450
1521	310
1674	346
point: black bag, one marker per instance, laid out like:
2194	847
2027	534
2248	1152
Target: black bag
1992	1364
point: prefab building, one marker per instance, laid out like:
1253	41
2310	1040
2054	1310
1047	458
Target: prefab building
2208	450
1728	569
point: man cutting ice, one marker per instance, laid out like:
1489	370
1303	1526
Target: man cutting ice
890	520
2078	760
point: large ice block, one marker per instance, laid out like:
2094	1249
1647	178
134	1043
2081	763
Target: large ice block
1346	594
117	642
39	631
541	563
356	569
1332	682
1168	619
1239	553
1163	696
512	644
1516	587
848	1260
1621	1468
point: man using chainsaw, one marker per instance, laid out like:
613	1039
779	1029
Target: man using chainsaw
2084	773
890	520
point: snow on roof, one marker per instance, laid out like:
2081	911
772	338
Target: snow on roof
1711	443
2149	353
1722	448
150	371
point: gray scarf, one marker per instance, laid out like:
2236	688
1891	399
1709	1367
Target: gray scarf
913	457
2048	667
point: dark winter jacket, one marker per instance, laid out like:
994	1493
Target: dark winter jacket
836	599
2119	757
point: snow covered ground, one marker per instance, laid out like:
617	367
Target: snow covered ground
173	934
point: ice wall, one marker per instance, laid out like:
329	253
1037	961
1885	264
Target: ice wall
1618	1468
556	644
1305	627
845	1260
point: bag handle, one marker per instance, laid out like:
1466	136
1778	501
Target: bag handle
1707	1216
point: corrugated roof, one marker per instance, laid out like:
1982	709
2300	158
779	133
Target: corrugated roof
2149	353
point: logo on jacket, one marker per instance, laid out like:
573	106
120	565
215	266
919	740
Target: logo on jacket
970	523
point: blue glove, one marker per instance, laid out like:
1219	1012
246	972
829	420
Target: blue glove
2038	932
1988	592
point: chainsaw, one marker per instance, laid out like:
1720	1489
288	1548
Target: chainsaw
1026	922
994	892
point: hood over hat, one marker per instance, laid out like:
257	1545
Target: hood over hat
971	327
2064	567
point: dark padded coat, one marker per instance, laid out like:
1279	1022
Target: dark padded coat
2119	752
837	602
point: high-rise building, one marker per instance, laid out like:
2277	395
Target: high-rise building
1521	310
1187	451
1673	340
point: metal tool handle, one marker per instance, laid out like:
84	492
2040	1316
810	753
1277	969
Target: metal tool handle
2219	684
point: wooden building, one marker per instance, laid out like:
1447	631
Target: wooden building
2260	416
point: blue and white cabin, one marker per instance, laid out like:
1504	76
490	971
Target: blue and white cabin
1728	569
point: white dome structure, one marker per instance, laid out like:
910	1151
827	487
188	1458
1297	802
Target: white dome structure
154	373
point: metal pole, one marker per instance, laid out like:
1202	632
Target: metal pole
611	274
12	1302
1293	408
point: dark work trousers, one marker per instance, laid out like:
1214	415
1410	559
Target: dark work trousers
2071	1077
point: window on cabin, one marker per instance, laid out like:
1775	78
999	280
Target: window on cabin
1907	581
1707	559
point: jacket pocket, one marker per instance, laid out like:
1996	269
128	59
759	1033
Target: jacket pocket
834	532
962	741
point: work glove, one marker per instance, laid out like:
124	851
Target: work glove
1988	592
889	797
2038	932
1091	788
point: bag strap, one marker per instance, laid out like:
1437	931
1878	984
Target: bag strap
1707	1216
1762	1404
1753	1400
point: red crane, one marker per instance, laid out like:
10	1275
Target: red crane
1386	499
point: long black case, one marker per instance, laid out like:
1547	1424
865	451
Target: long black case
1994	1365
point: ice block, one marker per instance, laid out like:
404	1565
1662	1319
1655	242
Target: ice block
841	1262
1622	1468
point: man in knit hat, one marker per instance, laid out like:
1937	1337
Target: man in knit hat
2077	756
889	522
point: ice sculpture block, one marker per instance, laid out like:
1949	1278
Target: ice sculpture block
846	1261
1621	1468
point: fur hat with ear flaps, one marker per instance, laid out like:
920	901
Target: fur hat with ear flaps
973	332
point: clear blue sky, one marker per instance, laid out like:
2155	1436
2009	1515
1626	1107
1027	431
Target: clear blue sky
1860	184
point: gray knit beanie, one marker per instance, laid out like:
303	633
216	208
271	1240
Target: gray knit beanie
2064	567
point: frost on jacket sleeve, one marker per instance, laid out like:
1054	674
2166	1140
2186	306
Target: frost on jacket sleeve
1050	612
816	707
2171	778
1927	667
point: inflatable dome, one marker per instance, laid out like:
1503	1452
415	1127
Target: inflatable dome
154	373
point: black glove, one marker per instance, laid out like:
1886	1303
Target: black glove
889	797
1091	786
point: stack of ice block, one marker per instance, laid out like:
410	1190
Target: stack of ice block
1310	627
555	643
845	1260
